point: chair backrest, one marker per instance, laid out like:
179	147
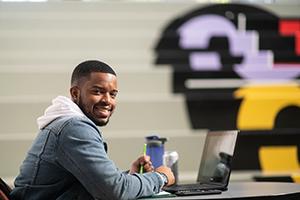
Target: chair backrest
4	190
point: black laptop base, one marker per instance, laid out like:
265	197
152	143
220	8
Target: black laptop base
197	192
193	189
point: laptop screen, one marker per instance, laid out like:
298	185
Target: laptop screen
215	165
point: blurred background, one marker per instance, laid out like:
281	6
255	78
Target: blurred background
170	83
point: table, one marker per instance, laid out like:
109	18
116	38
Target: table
253	190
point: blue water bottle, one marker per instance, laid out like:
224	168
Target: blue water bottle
155	149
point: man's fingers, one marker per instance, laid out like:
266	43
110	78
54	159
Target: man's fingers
149	167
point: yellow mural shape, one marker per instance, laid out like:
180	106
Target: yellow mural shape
261	104
278	158
296	177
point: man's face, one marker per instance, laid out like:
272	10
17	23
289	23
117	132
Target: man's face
96	96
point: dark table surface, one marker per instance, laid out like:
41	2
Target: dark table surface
253	190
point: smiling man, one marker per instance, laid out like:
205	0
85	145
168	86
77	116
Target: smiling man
68	159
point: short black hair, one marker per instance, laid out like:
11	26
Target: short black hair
85	68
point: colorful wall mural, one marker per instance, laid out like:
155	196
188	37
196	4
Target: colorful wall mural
238	67
220	44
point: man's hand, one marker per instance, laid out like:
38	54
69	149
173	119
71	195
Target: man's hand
142	161
169	174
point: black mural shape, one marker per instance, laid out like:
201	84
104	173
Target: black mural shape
283	118
248	144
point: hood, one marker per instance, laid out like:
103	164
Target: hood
61	107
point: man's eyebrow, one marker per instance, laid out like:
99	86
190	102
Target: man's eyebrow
96	87
101	87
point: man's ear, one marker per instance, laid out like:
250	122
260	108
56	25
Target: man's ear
75	93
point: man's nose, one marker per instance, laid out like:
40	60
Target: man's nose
106	98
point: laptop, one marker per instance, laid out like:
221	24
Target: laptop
215	165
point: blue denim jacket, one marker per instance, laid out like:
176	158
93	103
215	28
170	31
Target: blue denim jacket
68	161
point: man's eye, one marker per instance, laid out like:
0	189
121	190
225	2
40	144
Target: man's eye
97	91
113	95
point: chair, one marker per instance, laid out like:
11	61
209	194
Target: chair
4	190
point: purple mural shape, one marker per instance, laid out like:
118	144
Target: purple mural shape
256	64
205	61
